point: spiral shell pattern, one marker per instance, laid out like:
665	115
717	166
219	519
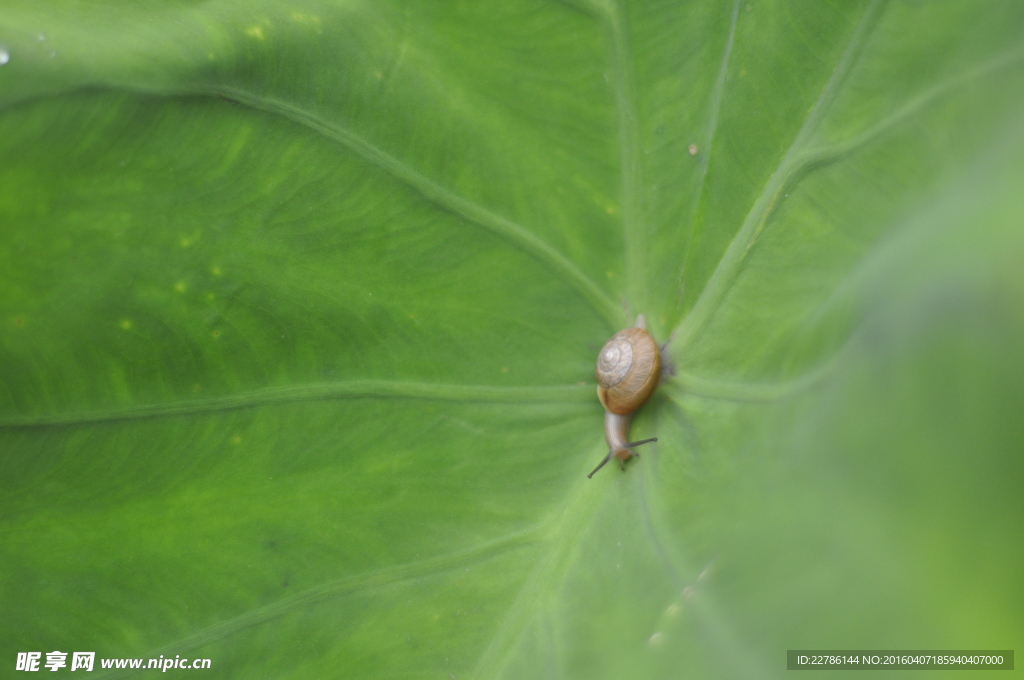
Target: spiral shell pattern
614	361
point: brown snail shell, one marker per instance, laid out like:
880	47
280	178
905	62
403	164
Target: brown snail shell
628	369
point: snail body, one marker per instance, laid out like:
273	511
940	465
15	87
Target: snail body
627	372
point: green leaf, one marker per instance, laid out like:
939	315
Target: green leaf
299	304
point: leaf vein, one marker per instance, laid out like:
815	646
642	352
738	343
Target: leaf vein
832	152
345	586
350	389
717	97
501	226
735	255
550	567
633	232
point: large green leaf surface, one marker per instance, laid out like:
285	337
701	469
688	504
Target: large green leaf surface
299	304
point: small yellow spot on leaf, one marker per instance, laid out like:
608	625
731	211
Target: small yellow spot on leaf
692	149
610	275
504	369
126	324
215	270
237	439
180	286
209	297
215	334
610	209
255	32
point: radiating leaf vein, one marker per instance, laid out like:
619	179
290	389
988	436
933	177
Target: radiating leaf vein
729	266
376	578
348	389
501	226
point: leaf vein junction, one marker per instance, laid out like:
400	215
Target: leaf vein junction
791	165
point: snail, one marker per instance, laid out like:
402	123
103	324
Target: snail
628	369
